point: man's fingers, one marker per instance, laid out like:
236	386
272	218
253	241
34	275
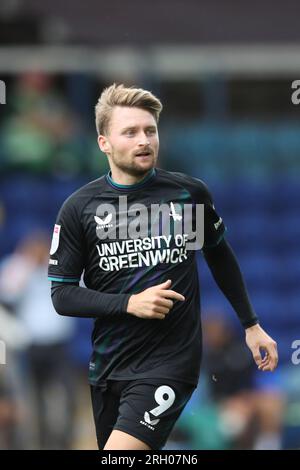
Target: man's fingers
268	367
265	362
257	356
274	359
158	316
275	354
271	352
270	360
155	316
162	302
162	310
172	295
165	285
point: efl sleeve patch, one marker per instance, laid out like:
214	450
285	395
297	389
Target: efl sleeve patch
55	239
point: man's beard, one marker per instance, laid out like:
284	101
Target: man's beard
132	169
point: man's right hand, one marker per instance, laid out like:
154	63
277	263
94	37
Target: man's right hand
154	303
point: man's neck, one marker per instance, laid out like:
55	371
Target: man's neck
125	179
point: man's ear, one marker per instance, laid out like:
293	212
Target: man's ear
103	144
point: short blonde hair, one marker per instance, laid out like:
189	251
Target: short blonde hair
119	95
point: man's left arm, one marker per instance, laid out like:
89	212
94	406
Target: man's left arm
225	269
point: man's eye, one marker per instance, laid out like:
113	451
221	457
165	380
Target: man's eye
129	132
151	131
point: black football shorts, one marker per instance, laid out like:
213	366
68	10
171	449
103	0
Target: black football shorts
146	409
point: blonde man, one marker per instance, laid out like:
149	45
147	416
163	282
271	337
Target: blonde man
141	278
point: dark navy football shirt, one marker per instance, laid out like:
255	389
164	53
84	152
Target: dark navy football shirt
90	238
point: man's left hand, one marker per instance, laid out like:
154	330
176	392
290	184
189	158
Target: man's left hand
258	340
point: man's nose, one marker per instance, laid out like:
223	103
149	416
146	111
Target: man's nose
144	139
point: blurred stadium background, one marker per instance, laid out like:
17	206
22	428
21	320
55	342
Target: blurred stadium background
223	71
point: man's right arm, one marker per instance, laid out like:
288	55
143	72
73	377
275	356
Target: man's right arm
153	303
75	301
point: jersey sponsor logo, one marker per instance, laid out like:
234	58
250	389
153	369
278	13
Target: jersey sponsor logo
103	223
55	239
217	224
174	214
136	253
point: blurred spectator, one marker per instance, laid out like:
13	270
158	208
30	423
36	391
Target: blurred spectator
15	339
41	127
48	370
